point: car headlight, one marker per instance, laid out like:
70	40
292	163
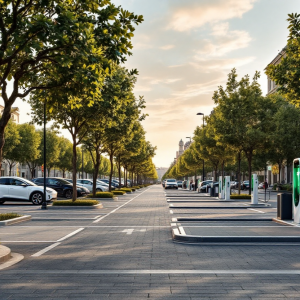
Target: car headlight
49	191
80	189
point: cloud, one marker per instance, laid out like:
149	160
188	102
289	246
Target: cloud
167	47
223	41
189	14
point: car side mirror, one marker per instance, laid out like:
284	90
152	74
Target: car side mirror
24	185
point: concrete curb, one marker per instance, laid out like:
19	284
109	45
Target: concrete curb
115	198
15	258
220	219
5	254
207	207
98	206
15	220
177	236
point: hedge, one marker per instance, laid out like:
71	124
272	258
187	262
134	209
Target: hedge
117	193
8	216
127	190
102	195
75	203
241	196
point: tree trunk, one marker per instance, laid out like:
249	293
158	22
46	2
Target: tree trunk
63	173
96	171
6	115
125	177
10	167
74	165
119	170
279	166
239	172
111	158
250	171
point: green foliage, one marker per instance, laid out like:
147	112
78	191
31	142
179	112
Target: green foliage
118	193
8	216
127	190
102	195
75	203
241	196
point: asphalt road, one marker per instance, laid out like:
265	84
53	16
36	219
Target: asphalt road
125	251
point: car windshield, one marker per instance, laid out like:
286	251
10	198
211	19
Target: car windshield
62	181
28	182
171	180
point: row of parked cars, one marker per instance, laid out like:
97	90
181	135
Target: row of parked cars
17	188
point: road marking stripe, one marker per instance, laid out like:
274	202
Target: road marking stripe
45	250
105	272
28	241
261	212
98	220
181	230
70	234
171	211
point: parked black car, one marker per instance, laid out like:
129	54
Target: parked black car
62	186
245	185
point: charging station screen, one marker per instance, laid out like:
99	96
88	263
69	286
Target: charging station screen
296	182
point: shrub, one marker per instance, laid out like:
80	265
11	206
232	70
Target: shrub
117	193
127	190
241	196
75	203
102	195
136	187
274	186
8	216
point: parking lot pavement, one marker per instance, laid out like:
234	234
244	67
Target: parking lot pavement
129	254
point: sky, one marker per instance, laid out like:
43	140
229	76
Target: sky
185	49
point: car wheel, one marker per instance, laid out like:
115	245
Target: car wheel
2	201
36	198
98	190
68	194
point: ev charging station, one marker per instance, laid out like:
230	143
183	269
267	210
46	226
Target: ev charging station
254	189
296	190
226	188
221	187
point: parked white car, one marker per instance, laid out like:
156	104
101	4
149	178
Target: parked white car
17	188
171	184
88	183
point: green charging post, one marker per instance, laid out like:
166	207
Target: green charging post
296	189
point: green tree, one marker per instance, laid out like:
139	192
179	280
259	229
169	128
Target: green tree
286	74
64	162
41	40
52	146
241	121
11	151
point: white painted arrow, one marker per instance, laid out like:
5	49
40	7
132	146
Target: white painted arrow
130	231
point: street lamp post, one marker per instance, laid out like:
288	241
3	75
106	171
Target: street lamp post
195	187
82	162
203	174
44	202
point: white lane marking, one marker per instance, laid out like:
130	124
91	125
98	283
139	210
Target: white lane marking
181	230
64	218
274	226
28	241
98	220
147	272
93	226
173	224
70	234
128	231
261	212
45	250
171	211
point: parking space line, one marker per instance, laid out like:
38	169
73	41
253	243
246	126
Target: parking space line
70	234
39	253
171	211
261	212
28	241
98	220
181	230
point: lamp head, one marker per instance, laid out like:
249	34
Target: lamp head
200	114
